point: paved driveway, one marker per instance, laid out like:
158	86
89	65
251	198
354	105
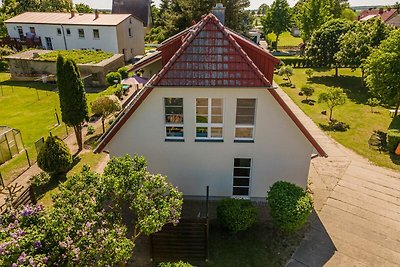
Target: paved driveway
357	209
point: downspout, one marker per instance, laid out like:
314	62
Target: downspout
65	41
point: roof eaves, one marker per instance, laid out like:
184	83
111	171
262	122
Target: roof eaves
124	116
147	61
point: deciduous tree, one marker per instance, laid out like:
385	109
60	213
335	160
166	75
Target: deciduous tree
324	43
74	110
105	106
83	8
278	19
332	98
382	70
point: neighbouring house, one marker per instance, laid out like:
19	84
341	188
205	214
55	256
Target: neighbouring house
394	21
384	14
115	33
210	115
138	8
30	66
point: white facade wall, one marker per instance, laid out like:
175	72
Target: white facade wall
280	151
114	39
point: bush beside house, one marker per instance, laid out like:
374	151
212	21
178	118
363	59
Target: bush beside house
392	139
236	214
290	205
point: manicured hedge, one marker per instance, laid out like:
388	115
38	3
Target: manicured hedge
289	204
392	139
236	214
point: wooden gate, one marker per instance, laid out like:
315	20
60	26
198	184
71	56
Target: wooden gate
187	241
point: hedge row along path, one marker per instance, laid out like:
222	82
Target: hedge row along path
357	208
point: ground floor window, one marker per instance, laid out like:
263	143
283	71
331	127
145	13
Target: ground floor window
241	177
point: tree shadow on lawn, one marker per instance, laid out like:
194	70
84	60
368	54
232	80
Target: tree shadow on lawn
54	182
350	84
33	85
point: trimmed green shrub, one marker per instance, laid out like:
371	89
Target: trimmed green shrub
307	90
54	157
392	139
236	214
113	78
175	264
40	179
124	72
289	204
3	65
90	130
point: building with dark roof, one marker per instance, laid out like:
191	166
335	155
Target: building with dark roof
140	9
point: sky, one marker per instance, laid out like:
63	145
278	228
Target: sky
106	4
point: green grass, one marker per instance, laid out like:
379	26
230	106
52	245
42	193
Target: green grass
90	159
262	245
355	112
35	118
79	56
286	39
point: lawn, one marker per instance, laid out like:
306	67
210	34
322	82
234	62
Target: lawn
30	107
262	245
354	112
45	194
286	39
79	56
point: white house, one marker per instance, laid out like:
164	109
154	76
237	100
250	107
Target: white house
210	116
115	33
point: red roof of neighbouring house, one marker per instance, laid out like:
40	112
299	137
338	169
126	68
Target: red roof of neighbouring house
371	13
198	54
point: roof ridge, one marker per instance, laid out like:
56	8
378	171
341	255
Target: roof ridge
189	38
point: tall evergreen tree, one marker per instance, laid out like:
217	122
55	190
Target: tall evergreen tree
72	95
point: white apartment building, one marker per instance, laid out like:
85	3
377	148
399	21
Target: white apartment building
115	33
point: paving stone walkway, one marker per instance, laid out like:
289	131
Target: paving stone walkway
357	208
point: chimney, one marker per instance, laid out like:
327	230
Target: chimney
96	14
72	14
219	12
381	10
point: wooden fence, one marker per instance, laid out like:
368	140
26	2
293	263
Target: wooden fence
27	197
187	241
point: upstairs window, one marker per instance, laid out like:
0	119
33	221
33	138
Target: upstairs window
173	109
209	118
68	31
130	32
245	119
96	34
81	33
59	31
32	30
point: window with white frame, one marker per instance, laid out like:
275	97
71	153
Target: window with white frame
58	31
173	109
245	119
96	34
68	31
241	177
209	118
81	33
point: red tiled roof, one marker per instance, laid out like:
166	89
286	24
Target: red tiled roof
210	56
210	27
385	15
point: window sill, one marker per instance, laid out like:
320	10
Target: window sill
209	140
243	141
174	140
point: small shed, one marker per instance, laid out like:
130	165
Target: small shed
10	143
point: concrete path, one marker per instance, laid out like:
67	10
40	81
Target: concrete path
357	208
